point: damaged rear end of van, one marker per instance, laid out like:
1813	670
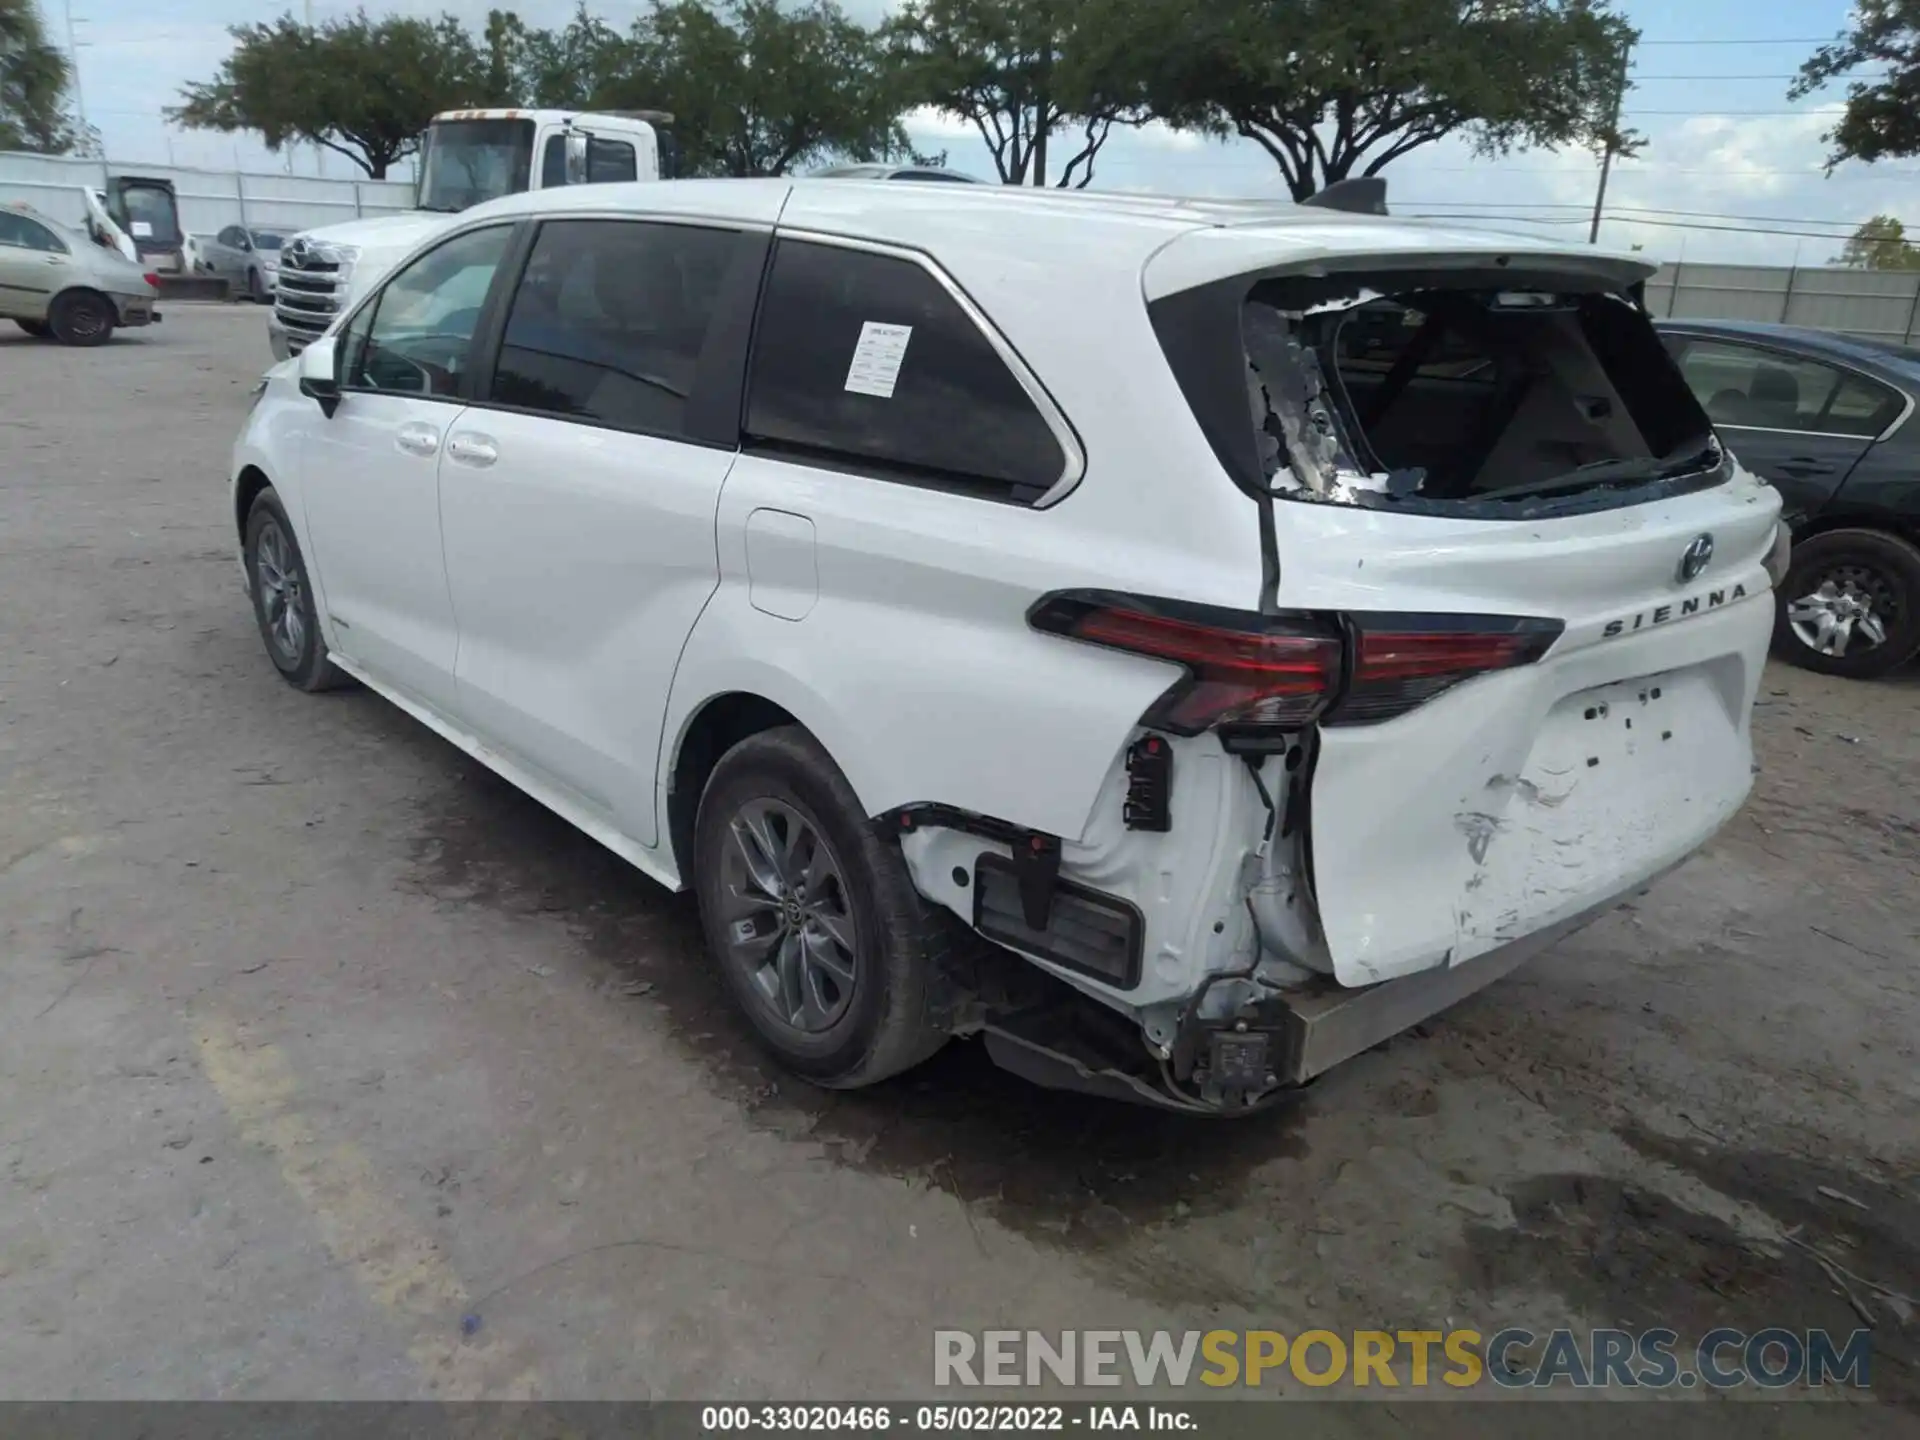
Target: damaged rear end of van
1498	678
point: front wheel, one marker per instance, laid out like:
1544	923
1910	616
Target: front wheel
283	599
81	317
830	952
1850	604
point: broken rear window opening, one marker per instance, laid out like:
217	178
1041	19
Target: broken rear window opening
1467	399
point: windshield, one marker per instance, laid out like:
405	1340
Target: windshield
1460	395
147	213
266	240
469	162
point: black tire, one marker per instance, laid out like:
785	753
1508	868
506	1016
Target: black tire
892	1020
294	647
82	317
1882	568
36	328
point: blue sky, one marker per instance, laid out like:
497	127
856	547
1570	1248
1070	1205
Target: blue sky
1710	96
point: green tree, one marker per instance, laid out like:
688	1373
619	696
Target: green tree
33	84
757	87
564	68
1339	88
1023	71
362	88
1882	117
1880	244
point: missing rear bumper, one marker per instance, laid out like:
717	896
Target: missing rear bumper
1254	1058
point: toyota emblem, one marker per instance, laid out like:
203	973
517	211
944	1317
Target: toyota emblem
1695	557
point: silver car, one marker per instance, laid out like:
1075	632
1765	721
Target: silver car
248	259
59	282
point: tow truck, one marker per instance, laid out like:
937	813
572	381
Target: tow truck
467	157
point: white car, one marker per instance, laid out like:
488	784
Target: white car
1187	643
248	260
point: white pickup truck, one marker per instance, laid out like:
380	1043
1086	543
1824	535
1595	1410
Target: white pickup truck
468	157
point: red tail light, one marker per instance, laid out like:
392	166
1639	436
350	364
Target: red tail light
151	279
1402	661
1242	669
1247	671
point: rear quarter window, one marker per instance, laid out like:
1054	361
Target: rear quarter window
1744	385
867	362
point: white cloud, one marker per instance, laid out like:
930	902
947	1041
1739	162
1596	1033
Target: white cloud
931	123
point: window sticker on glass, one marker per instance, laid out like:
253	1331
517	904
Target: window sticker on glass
877	359
143	230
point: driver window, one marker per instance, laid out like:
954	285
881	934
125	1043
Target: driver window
423	321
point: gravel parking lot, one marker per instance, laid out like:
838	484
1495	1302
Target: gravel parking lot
334	1067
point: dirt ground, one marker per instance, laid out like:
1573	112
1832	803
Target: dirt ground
333	1067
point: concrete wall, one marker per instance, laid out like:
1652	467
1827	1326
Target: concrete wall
209	199
1879	304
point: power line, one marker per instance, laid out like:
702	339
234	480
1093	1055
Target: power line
1731	229
1721	114
1778	40
1631	220
1635	212
1794	75
1255	158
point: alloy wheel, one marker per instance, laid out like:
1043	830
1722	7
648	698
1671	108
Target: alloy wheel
789	920
280	593
1851	609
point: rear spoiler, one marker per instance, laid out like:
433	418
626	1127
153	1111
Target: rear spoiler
1362	195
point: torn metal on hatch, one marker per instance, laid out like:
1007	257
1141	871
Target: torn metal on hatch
1303	445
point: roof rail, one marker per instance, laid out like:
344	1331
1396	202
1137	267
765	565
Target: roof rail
652	117
1361	195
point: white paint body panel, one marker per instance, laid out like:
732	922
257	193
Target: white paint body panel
577	561
372	509
1398	806
564	602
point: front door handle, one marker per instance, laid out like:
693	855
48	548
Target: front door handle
417	437
479	451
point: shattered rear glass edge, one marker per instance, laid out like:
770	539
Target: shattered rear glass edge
1314	447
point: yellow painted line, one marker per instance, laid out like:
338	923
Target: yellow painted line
393	1262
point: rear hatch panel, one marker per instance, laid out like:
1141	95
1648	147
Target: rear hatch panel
1524	796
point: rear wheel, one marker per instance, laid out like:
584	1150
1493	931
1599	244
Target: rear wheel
1850	604
36	328
81	317
832	955
283	599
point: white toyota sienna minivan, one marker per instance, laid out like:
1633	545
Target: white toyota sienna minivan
1184	643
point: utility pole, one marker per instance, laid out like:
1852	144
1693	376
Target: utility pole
319	152
1612	140
73	53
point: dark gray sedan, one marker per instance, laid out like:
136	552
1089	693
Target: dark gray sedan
1828	420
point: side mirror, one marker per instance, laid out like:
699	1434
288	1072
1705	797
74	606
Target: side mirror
318	380
576	158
